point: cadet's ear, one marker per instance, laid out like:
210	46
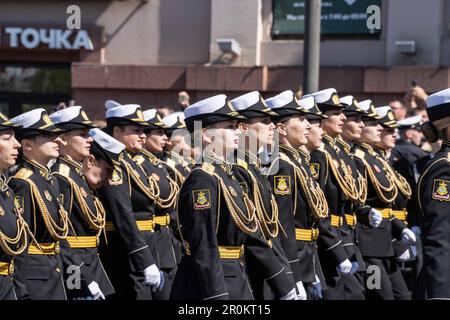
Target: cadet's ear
281	127
243	127
116	132
207	137
26	144
89	161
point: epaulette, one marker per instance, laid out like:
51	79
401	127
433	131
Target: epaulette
23	173
242	164
171	163
208	168
64	170
139	159
360	154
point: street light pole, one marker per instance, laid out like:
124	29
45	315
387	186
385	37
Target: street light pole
311	56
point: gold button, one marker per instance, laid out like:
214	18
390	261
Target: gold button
11	268
57	249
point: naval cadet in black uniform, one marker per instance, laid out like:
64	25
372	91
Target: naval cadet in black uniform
301	201
13	228
403	249
36	195
338	259
257	132
216	217
433	194
376	223
130	254
178	149
165	203
86	212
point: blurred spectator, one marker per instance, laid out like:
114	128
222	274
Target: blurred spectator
61	105
422	112
183	100
398	108
416	97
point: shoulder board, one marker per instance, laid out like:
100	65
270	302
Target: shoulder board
64	170
242	164
139	159
23	173
170	163
285	157
360	154
208	167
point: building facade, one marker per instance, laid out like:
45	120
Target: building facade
146	51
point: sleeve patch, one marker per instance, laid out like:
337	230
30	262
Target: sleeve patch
282	185
315	168
202	199
440	190
116	177
19	203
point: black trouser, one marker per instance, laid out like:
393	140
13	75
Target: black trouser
378	284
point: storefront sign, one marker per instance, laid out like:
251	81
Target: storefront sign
53	39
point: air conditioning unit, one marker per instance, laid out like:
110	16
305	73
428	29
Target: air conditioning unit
406	46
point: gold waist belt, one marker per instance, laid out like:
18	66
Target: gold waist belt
83	241
50	249
306	234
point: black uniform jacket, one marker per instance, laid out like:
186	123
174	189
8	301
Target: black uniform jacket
295	214
36	194
433	193
381	192
87	220
248	173
217	220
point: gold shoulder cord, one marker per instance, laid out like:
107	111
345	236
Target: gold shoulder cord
149	192
362	187
346	183
313	193
160	202
269	225
95	220
399	180
7	244
170	200
242	220
379	188
57	232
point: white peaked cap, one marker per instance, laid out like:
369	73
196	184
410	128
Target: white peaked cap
65	115
106	141
246	100
111	104
382	111
411	121
280	100
438	98
322	95
365	105
307	103
149	114
205	106
122	110
172	118
348	100
29	118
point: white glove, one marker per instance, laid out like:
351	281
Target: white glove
375	217
404	256
95	291
345	266
152	276
417	231
408	236
301	291
292	295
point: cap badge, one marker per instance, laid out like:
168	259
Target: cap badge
335	99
